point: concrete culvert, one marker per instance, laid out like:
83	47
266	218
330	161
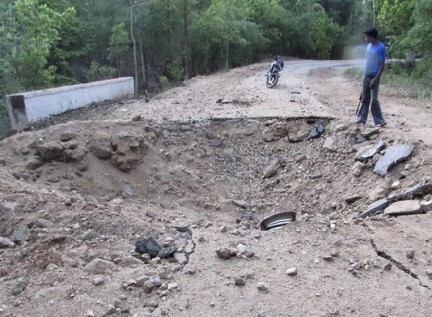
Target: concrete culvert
277	220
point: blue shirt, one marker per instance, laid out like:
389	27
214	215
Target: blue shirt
375	55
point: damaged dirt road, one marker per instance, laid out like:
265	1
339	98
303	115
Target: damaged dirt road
154	208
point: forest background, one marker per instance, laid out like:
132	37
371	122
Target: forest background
47	43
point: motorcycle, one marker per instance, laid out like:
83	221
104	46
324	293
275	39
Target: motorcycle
272	75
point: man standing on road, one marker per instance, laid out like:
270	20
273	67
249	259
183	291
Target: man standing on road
374	67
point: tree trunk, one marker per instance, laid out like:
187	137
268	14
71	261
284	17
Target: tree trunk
143	69
168	17
118	67
227	56
186	38
134	48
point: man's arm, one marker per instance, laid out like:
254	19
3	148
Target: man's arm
381	69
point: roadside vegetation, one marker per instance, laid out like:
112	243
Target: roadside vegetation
46	43
406	27
406	80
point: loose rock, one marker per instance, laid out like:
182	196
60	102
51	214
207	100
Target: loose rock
98	281
358	168
22	234
262	287
226	253
410	254
100	146
387	266
20	286
271	170
328	258
181	258
241	248
34	164
50	150
292	271
239	281
99	266
67	136
148	287
6	243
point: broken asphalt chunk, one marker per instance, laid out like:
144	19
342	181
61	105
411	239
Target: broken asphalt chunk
417	191
370	152
316	131
394	155
375	207
149	246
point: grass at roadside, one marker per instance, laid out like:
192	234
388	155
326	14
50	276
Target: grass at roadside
398	77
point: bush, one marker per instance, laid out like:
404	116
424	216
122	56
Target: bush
354	73
175	70
164	82
99	72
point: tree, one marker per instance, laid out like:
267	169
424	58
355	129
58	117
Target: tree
419	39
420	35
32	33
324	33
223	35
395	20
119	45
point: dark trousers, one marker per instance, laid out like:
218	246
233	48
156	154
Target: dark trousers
370	97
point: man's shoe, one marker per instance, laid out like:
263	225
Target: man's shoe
381	125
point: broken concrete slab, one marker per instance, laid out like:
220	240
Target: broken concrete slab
404	207
376	206
370	152
394	155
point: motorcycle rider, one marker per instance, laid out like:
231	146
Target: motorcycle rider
278	64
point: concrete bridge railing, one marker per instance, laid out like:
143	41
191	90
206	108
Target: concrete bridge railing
28	107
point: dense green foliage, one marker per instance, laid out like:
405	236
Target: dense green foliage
47	43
